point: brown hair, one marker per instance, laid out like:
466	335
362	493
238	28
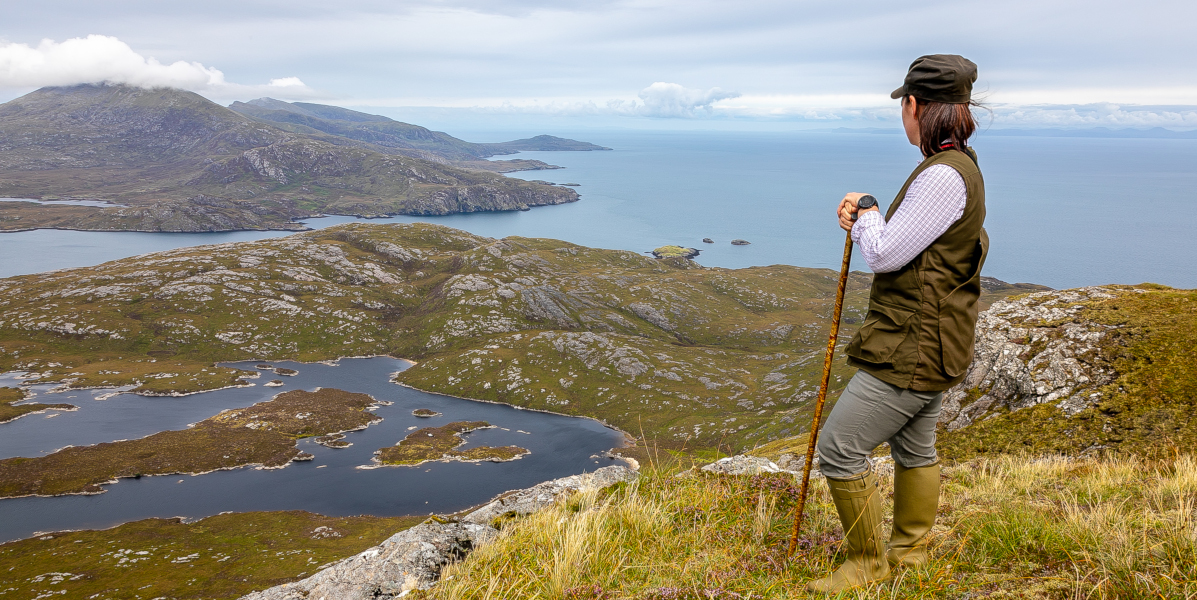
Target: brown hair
941	122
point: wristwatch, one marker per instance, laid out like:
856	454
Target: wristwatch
865	201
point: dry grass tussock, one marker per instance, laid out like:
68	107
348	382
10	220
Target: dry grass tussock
1008	527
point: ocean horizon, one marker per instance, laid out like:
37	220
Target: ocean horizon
1061	211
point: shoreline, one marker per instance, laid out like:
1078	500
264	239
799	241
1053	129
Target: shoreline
62	408
628	438
298	221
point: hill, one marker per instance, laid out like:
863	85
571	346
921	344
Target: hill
1068	446
692	356
387	135
157	151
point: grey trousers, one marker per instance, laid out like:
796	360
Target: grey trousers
870	412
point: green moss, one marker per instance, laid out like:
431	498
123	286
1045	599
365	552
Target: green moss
220	557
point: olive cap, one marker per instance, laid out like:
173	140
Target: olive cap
939	78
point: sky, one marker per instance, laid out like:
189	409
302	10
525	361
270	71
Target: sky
632	63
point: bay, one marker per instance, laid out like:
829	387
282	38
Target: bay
1062	212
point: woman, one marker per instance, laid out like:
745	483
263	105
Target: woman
917	339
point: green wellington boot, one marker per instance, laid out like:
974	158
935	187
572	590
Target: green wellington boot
858	502
916	499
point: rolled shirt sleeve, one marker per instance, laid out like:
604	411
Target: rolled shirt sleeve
934	201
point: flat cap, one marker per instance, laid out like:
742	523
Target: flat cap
939	78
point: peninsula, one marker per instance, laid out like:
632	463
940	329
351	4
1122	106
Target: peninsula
171	160
263	434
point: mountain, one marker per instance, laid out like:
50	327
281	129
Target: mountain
387	135
164	152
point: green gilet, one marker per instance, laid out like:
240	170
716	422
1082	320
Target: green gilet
918	333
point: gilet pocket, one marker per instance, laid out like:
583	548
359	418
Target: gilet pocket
957	330
883	330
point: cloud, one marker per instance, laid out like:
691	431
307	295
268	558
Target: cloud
664	100
96	59
1094	115
106	59
286	82
672	100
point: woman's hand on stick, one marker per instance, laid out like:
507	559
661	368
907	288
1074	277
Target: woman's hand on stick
848	210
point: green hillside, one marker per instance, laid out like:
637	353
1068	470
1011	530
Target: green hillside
690	355
179	162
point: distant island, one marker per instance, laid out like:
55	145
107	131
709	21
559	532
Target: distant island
171	160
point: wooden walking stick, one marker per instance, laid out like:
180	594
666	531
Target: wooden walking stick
814	427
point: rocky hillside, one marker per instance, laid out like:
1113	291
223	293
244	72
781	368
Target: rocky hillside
1078	371
157	150
691	355
1086	371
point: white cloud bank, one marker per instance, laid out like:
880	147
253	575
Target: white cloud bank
106	59
671	100
663	100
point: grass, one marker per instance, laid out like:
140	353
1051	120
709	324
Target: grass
263	434
441	443
220	557
1009	527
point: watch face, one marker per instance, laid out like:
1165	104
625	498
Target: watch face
866	202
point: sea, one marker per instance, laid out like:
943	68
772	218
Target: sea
1061	212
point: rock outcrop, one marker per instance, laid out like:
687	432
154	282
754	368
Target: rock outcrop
1037	349
742	465
413	559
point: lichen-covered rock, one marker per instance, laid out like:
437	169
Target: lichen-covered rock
795	463
742	465
1037	349
413	559
530	500
406	561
